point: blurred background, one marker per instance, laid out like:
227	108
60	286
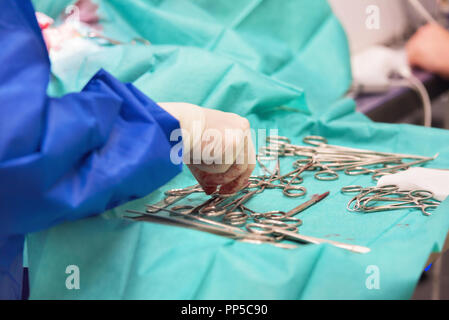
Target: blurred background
398	21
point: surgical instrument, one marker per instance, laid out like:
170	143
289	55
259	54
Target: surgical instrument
264	229
201	219
328	159
96	35
240	236
280	215
389	198
174	196
315	199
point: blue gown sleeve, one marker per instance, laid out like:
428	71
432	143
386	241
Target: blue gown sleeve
70	157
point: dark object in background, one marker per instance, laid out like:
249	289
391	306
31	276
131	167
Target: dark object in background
403	105
434	283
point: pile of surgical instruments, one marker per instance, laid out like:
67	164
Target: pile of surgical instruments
231	217
387	198
232	209
224	215
269	227
328	159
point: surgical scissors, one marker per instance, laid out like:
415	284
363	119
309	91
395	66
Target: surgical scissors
360	189
362	192
259	184
421	199
284	230
289	187
184	192
329	159
173	196
201	219
239	234
394	197
325	173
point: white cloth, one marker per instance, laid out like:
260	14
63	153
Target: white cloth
433	180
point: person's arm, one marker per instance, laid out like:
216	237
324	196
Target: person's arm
71	157
429	49
81	154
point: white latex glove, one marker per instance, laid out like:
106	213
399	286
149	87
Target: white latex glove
218	148
433	180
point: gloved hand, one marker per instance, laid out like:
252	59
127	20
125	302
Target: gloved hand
218	148
429	49
54	37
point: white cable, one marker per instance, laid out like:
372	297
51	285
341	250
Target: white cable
409	81
414	81
422	11
406	72
427	104
372	72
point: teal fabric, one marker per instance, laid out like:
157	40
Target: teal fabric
284	67
52	8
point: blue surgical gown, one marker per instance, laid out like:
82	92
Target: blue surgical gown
71	157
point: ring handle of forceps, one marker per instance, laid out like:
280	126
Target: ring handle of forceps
357	171
212	212
362	192
290	191
287	189
326	175
184	192
422	207
351	189
317	141
297	180
294	180
421	195
274	215
417	200
236	218
278	216
270	227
